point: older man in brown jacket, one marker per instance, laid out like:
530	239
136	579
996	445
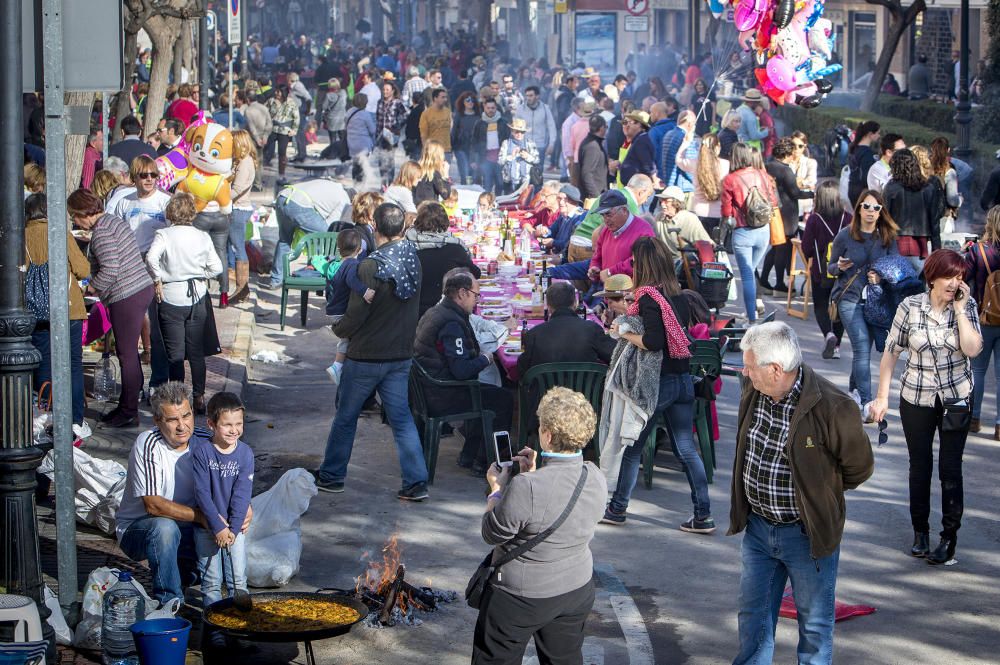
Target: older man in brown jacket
800	444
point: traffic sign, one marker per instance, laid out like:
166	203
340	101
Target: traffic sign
637	23
235	35
637	7
210	20
561	7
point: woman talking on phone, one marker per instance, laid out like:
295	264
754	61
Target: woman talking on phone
940	331
545	592
871	235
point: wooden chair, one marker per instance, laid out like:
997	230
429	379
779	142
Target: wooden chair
800	267
305	279
420	383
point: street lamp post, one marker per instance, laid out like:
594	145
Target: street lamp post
963	115
20	563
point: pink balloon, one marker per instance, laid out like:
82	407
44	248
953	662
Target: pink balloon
749	13
781	73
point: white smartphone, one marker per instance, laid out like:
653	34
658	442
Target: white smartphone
501	444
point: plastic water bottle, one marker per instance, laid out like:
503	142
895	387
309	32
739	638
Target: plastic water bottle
105	379
123	606
525	243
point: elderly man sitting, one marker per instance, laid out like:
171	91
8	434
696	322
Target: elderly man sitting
446	347
675	224
155	521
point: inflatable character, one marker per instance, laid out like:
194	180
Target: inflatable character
211	161
173	166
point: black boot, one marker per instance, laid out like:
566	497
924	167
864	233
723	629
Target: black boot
921	544
944	552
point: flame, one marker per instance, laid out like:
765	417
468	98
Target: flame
379	575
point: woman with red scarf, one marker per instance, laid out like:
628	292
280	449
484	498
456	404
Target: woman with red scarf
665	315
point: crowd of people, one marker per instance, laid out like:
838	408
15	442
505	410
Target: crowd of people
621	179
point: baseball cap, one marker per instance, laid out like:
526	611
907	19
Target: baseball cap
609	200
672	192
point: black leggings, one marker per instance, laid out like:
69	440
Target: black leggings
821	301
779	257
920	423
183	330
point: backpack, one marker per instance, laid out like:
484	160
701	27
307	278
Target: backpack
989	308
857	180
36	289
757	209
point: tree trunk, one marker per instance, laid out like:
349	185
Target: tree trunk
897	26
75	143
123	107
484	25
163	32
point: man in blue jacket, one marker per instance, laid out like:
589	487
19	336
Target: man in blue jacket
641	155
662	119
446	347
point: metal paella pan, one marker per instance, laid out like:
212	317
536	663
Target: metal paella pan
310	629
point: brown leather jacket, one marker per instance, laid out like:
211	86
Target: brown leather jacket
828	452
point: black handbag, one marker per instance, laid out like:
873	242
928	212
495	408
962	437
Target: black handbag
957	416
475	591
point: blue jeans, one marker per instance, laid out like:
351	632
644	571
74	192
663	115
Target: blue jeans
981	363
292	216
162	542
358	381
750	246
238	232
861	336
676	402
771	555
491	177
464	167
40	340
214	565
574	271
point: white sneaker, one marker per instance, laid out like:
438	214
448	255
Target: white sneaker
836	352
334	373
82	431
760	306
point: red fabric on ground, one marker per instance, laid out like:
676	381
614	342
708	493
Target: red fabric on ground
842	611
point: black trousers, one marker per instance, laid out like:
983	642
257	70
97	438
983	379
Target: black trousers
506	623
495	399
919	425
821	301
216	225
183	330
778	258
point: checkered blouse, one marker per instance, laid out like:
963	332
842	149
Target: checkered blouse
767	478
935	364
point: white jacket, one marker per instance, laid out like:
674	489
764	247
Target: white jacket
179	254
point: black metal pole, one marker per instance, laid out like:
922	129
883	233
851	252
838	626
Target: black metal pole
963	115
20	564
204	66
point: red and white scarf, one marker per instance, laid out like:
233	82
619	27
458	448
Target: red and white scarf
677	339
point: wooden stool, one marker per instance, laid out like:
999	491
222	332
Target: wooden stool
799	267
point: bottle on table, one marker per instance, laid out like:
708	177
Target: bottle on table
123	606
536	296
544	278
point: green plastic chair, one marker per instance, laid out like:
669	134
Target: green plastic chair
706	360
305	279
420	382
586	378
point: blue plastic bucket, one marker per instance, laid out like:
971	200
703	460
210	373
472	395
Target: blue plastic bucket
161	641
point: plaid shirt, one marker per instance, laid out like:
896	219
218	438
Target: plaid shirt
935	365
390	115
412	87
511	101
767	478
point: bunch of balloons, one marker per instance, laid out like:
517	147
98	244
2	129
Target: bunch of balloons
790	43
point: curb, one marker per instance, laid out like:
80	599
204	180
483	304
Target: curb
239	355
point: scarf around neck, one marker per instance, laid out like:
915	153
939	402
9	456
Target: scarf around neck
677	339
398	263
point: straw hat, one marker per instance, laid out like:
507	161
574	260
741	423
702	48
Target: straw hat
616	286
640	117
518	125
388	76
752	95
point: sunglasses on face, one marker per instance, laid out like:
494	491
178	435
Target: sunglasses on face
874	207
144	176
799	146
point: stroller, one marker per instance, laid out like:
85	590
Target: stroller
702	269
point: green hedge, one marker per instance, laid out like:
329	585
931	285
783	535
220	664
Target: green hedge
935	115
818	121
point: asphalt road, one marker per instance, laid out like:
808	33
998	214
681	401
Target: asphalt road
664	596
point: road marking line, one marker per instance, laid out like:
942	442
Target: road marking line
637	642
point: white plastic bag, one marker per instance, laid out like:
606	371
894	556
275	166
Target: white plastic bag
64	635
99	484
88	631
490	335
274	539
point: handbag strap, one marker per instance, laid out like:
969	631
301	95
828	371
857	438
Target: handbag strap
525	547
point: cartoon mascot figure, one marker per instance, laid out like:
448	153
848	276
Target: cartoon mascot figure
210	162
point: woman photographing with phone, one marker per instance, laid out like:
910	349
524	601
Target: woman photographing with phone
545	592
871	235
940	330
